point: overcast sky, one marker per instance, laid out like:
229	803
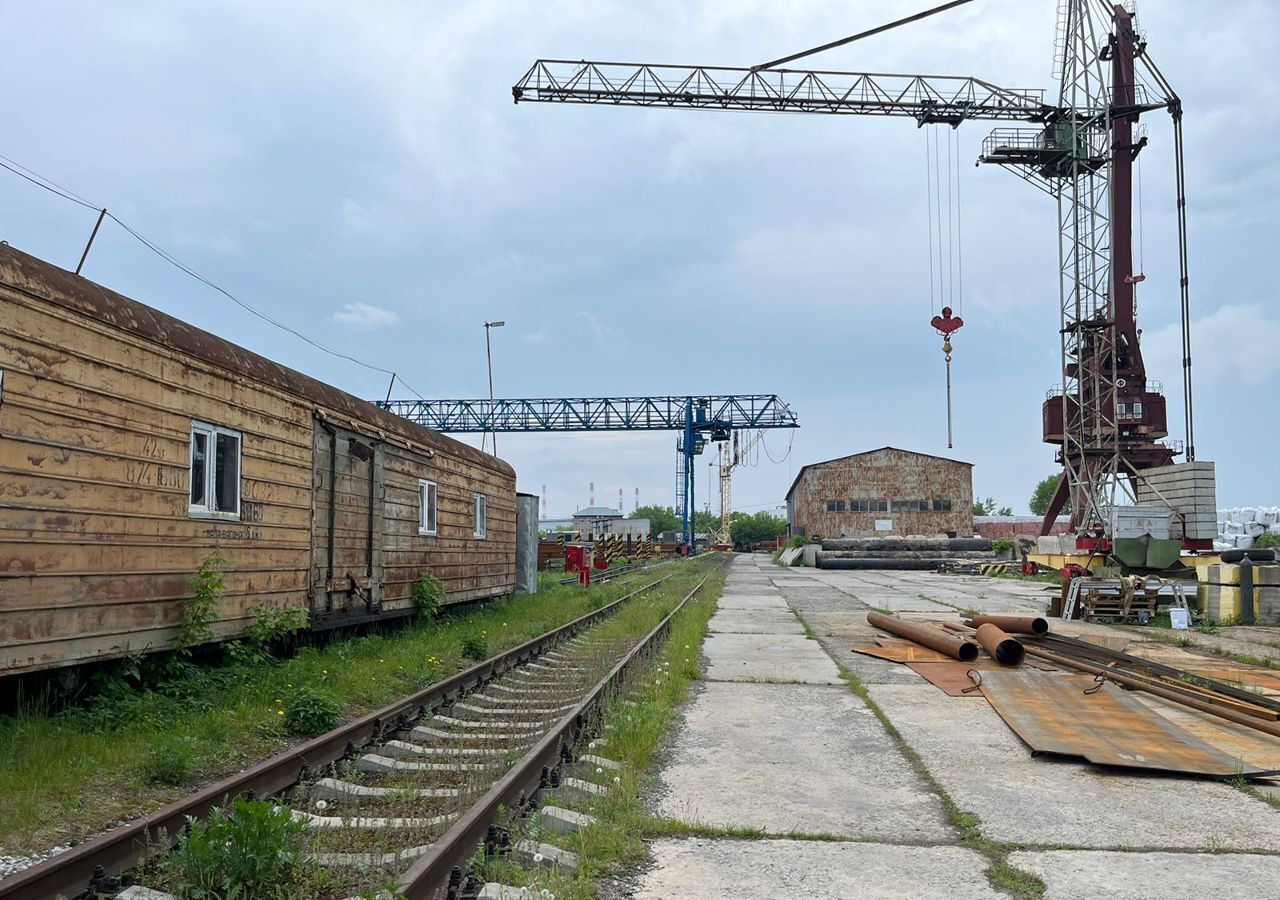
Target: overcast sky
360	172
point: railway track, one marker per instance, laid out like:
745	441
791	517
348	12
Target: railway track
406	795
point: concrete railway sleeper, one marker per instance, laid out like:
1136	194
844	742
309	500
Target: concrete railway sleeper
383	789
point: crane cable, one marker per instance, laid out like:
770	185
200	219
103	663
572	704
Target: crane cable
949	268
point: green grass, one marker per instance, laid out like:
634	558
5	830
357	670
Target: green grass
70	773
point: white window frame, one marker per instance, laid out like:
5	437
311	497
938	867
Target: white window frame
206	510
480	507
428	507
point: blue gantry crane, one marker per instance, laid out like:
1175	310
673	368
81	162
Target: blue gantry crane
699	419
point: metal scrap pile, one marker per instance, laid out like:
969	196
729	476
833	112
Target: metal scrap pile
1067	696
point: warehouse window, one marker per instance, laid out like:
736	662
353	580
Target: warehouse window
215	471
835	506
482	516
427	507
909	506
942	506
869	505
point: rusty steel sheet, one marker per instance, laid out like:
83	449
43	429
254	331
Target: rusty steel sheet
952	677
1052	713
902	652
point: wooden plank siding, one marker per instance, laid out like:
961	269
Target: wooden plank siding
97	543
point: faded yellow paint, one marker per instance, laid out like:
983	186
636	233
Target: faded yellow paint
97	543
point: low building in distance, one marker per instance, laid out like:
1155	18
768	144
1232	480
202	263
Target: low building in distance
882	493
597	521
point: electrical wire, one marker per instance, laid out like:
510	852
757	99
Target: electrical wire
765	444
65	193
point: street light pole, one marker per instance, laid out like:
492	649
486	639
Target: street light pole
488	352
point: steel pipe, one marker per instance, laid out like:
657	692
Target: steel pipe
1003	649
1012	624
927	636
1129	681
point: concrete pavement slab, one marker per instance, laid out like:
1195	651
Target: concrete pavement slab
771	870
1087	874
768	657
756	621
751	601
1046	801
795	758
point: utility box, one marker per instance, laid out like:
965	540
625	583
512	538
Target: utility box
580	559
526	543
1137	521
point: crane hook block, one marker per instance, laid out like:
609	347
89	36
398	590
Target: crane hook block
947	324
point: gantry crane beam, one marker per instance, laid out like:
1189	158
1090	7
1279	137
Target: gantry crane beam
928	99
698	418
594	413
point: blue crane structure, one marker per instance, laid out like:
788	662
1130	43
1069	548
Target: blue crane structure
699	419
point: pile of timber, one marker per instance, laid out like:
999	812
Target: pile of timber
920	553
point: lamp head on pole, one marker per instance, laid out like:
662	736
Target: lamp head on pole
494	324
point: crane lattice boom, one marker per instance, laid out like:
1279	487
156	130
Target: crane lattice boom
926	98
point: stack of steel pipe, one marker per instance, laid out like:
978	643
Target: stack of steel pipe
927	636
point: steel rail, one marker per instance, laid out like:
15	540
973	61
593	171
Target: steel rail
445	862
70	873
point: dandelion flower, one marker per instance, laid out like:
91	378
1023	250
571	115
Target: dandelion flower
617	779
599	771
279	712
538	857
321	805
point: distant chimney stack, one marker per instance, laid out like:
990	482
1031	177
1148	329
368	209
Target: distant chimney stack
620	500
592	495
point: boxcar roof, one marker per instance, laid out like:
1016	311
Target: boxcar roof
37	278
824	462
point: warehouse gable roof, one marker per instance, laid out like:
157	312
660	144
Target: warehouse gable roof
825	462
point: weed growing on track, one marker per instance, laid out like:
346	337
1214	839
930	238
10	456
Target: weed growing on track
252	850
68	773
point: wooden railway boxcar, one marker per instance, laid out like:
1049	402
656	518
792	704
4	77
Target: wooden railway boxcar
134	446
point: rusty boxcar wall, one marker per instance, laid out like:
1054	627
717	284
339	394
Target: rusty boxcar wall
882	492
100	399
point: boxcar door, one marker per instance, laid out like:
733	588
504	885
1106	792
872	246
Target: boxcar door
346	543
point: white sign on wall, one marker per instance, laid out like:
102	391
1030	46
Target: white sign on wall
884	524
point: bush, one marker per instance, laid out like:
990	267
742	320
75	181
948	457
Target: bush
269	628
428	593
309	712
1001	547
202	608
253	851
475	649
171	761
1267	539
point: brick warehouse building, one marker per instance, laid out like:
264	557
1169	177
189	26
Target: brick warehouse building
881	493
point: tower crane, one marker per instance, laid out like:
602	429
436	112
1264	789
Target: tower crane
733	453
1106	419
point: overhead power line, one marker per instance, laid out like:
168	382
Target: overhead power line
53	187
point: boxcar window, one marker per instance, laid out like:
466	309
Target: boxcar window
215	471
199	460
482	516
427	507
